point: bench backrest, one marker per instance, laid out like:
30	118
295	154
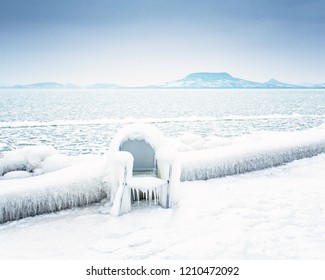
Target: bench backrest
143	153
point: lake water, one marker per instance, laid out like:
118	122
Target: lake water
84	121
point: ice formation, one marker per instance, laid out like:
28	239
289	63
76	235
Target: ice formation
118	173
250	153
70	183
169	169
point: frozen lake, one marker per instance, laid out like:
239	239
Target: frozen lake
84	121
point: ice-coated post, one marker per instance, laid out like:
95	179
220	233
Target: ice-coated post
168	187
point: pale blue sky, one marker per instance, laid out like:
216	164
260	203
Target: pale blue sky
140	42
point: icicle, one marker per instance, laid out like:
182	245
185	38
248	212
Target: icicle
138	196
149	196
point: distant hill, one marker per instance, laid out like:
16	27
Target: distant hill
53	85
222	80
47	85
276	84
320	85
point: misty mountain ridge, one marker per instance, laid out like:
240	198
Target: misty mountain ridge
193	80
54	85
46	85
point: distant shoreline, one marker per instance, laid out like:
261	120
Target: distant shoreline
199	80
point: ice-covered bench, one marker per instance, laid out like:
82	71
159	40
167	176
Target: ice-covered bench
142	166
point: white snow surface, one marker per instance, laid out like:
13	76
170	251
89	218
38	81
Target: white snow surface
276	213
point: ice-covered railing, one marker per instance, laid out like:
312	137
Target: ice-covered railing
251	152
79	183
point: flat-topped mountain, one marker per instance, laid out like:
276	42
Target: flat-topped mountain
207	76
222	80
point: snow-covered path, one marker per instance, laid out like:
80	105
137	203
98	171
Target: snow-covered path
278	213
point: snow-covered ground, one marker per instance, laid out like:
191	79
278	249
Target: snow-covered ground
277	213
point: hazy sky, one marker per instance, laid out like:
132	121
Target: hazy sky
138	42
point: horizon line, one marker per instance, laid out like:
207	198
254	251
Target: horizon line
100	84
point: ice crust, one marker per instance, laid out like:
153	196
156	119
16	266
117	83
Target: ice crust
132	120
